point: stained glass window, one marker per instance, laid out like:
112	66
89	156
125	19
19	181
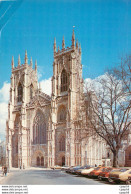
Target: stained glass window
39	129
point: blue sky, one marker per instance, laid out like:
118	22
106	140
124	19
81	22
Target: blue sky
102	27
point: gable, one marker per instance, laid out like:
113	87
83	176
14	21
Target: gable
40	99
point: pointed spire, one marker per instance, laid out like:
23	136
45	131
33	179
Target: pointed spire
54	45
36	65
79	48
31	63
26	58
63	43
58	49
19	62
77	44
73	39
12	63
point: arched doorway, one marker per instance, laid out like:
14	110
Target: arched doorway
42	161
38	161
63	160
38	158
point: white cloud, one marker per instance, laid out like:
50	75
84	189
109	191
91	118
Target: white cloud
39	75
40	72
3	118
46	86
94	84
4	97
4	92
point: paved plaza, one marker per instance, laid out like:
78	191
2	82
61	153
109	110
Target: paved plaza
36	176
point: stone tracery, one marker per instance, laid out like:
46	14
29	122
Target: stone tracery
64	81
39	129
20	92
62	144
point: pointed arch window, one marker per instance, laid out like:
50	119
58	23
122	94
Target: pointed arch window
62	114
64	84
50	149
68	147
31	91
39	129
20	92
62	144
17	121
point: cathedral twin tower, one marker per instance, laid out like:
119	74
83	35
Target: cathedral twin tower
45	130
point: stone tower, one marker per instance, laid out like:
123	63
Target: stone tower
23	88
67	90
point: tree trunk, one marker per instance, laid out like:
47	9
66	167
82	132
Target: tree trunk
115	158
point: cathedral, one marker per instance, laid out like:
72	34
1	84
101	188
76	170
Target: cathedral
44	130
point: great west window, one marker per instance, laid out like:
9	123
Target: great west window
39	129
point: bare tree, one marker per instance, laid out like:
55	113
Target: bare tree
123	72
111	112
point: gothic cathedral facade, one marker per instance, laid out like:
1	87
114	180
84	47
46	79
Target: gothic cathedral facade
44	130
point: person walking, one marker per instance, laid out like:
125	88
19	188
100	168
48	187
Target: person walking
5	170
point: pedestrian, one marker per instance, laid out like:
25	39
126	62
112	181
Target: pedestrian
23	166
5	170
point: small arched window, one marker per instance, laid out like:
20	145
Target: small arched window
62	144
20	92
64	85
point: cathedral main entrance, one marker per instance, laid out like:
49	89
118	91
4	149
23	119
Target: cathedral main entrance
40	161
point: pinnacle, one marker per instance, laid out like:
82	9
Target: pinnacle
19	62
